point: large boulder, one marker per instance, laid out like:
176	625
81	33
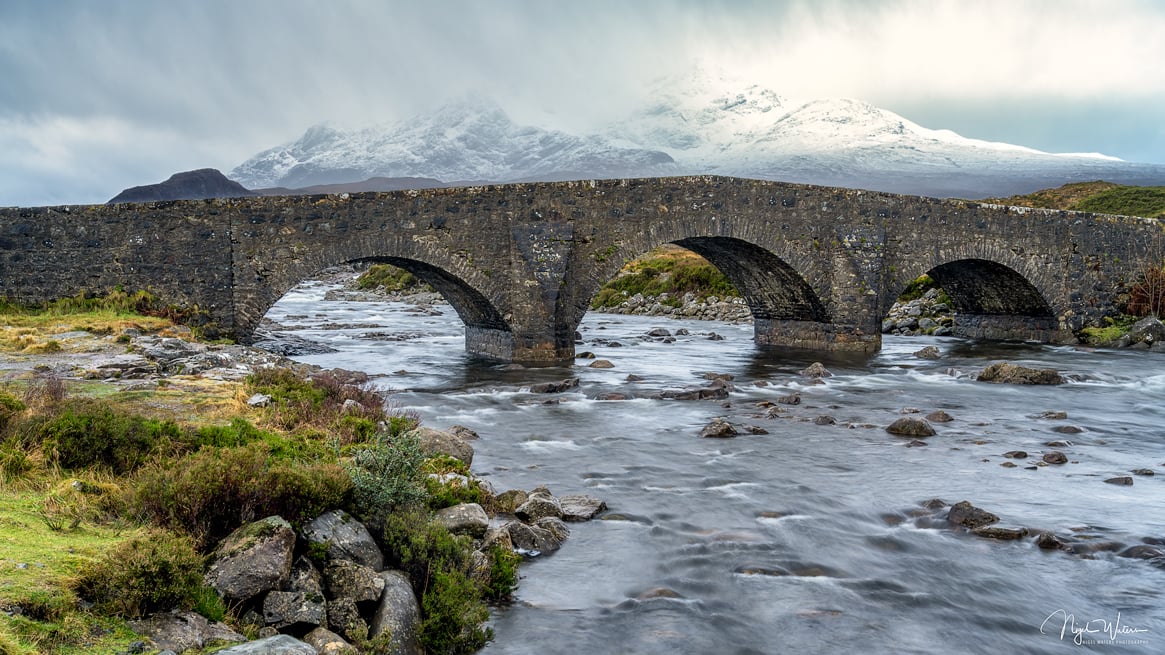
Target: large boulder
277	645
183	630
285	609
344	579
345	538
580	507
253	560
439	442
399	614
1008	373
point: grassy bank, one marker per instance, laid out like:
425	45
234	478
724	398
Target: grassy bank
111	500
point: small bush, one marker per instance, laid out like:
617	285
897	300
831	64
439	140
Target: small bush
448	494
9	407
340	405
437	563
1147	296
387	475
503	573
153	573
88	433
215	490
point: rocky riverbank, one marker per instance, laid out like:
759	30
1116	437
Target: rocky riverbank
324	582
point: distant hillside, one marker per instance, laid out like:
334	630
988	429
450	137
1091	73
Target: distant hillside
190	185
1099	196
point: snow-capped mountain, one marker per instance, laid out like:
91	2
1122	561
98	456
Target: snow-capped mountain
703	122
470	140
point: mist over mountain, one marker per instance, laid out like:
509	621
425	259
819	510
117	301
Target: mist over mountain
700	123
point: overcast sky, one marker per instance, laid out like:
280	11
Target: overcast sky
96	96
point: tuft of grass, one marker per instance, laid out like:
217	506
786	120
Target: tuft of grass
670	270
390	278
149	573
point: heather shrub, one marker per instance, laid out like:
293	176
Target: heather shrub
387	474
153	573
215	490
85	433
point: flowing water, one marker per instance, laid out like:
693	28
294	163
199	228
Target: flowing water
811	538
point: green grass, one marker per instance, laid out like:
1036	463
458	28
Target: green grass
51	620
1098	197
390	278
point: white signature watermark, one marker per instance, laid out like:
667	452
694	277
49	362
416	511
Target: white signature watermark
1092	631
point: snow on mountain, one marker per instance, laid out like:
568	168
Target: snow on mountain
470	140
702	122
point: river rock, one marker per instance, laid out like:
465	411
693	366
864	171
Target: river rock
711	392
327	642
825	420
611	395
539	505
1052	415
580	507
498	537
462	432
530	538
1124	481
601	363
277	645
344	579
1049	541
939	416
791	399
928	352
1008	373
466	518
909	426
1143	472
439	442
1016	454
285	609
1067	429
1055	457
182	630
967	515
586	354
1148	330
718	429
554	387
345	538
556	527
816	370
509	501
252	560
399	615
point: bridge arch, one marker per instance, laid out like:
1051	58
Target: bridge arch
783	302
994	300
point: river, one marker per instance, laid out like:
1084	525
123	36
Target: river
811	538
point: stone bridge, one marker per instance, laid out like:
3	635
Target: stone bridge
818	266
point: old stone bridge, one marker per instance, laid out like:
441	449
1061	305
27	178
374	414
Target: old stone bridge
520	263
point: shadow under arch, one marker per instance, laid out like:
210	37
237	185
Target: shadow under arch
994	301
487	333
772	289
786	310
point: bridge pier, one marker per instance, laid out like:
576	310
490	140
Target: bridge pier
504	345
1006	327
813	335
